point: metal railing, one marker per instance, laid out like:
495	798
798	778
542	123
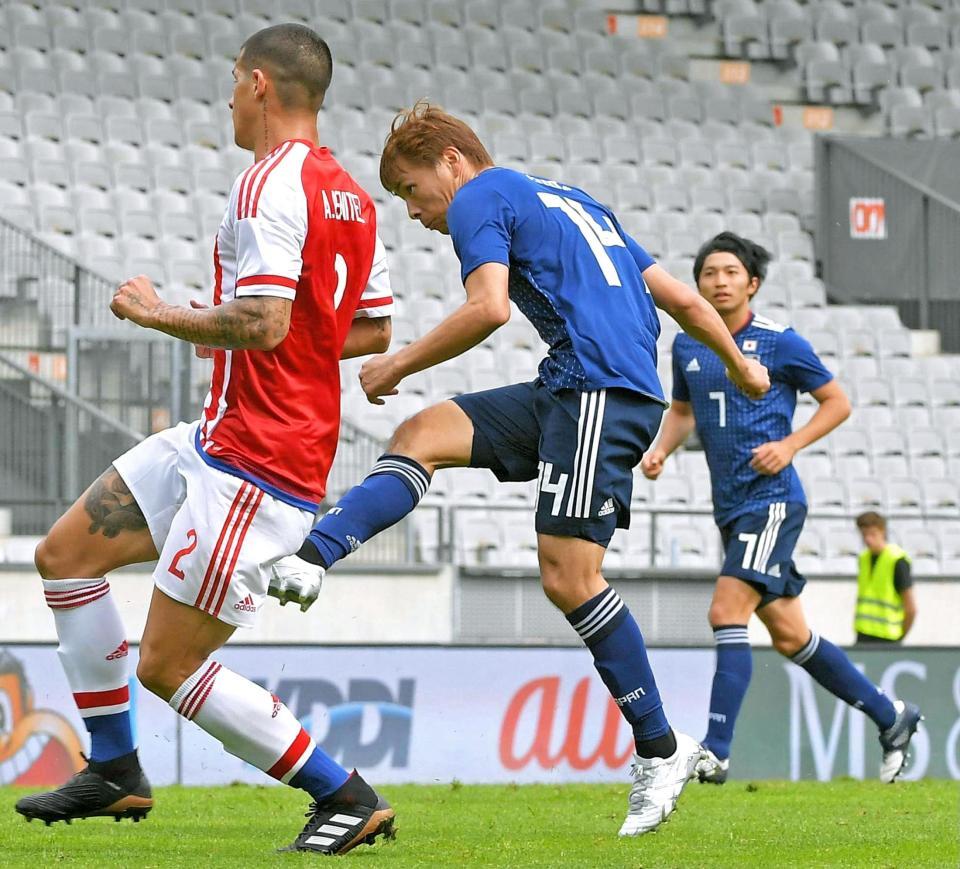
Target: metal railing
43	293
435	538
54	444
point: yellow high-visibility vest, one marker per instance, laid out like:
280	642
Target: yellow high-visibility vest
879	605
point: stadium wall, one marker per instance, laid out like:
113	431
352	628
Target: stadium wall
480	714
888	216
441	606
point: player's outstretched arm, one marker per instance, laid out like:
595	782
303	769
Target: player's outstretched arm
367	335
250	323
702	322
678	425
487	308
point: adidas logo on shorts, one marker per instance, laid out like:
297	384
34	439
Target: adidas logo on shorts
606	508
246	605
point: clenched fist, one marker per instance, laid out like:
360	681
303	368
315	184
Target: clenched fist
652	463
135	300
378	377
752	379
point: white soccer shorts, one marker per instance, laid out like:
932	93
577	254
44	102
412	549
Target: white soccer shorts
217	535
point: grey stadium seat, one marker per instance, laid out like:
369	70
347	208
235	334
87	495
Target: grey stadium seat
910	121
884	33
923	78
946	121
932	36
827	81
789	26
869	79
839	32
745	35
941	498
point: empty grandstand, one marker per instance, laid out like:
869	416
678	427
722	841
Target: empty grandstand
687	117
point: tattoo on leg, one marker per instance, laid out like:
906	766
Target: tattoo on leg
111	506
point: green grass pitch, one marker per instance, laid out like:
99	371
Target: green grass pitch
767	824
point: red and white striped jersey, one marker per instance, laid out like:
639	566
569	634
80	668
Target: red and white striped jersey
298	227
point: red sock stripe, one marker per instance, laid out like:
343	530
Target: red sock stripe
291	755
216	549
236	551
65	600
195	696
66	605
209	602
202	698
92	699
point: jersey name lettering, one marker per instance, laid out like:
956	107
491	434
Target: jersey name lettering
342	205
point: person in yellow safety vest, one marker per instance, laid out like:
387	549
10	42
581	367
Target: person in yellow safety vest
886	607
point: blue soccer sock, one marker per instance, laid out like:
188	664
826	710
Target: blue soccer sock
390	491
730	682
320	776
111	736
610	632
835	671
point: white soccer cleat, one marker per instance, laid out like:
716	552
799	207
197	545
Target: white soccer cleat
657	784
712	770
293	579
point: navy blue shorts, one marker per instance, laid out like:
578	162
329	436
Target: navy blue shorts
759	548
581	446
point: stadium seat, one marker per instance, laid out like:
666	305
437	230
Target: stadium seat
865	494
941	497
827	496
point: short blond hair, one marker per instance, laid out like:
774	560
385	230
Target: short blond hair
419	135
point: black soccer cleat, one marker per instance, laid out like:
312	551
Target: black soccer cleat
114	789
354	815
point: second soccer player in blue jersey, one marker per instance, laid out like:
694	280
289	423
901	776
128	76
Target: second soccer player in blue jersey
580	427
759	503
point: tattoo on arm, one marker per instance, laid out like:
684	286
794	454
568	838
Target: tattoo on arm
251	322
111	507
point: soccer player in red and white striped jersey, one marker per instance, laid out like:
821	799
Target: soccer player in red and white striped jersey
300	282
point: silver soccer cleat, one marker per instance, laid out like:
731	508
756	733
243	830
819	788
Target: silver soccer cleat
293	579
895	741
657	784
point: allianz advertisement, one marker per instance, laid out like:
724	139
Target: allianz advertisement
432	714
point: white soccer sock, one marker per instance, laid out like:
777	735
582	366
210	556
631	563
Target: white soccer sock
93	644
251	722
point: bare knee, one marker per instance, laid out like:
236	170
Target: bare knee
163	677
720	615
723	612
410	439
788	641
565	588
56	561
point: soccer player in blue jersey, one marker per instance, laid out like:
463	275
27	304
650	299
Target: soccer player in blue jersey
758	501
580	427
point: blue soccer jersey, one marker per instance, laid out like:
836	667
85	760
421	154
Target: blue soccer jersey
730	425
574	273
